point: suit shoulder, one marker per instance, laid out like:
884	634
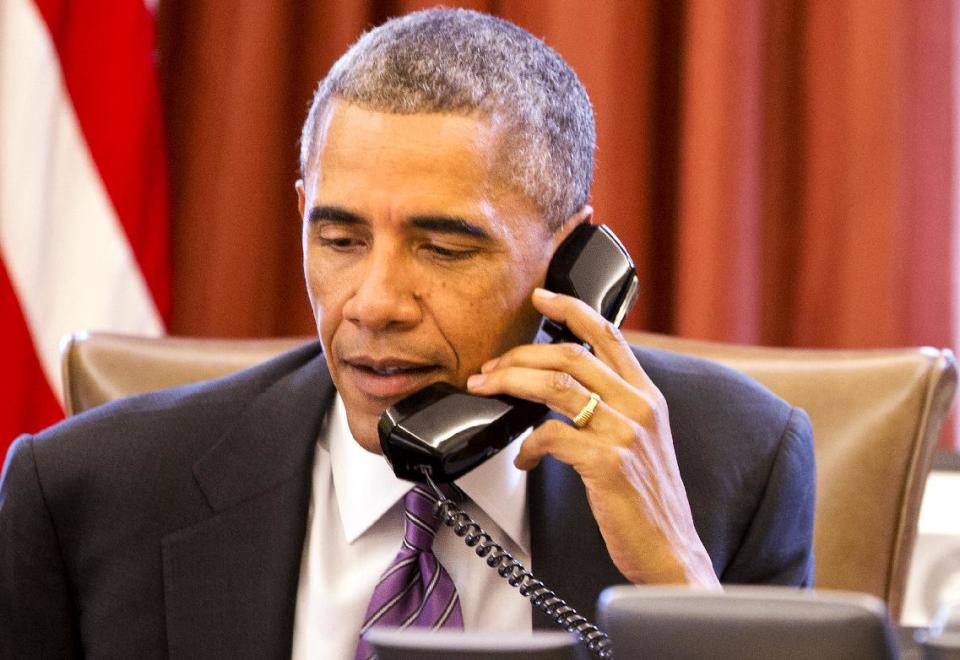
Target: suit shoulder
727	428
698	388
730	435
174	423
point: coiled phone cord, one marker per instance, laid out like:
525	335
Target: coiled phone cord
544	599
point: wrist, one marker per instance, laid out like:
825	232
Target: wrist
692	569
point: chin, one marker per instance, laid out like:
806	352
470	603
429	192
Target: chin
365	433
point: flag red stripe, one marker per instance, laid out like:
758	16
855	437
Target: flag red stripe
27	403
106	52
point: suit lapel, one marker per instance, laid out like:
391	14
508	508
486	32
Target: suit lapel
230	581
567	551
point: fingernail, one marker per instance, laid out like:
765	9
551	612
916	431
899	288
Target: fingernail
476	380
543	293
489	365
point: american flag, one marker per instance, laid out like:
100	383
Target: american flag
84	232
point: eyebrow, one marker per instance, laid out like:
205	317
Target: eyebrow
443	224
334	214
446	224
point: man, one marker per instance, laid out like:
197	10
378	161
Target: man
444	159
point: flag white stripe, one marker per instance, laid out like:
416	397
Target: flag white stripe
60	238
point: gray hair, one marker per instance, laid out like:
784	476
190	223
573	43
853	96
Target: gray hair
464	62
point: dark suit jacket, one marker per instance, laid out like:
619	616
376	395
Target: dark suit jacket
173	523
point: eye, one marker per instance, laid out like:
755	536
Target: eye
340	243
338	239
446	253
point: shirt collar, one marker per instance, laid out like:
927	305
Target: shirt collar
366	487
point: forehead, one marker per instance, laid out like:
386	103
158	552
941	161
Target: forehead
455	151
387	165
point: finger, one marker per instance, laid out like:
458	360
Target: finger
540	442
586	368
574	359
604	337
566	444
556	389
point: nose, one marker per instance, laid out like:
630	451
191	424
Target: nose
385	296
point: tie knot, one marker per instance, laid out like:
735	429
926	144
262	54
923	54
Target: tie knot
420	523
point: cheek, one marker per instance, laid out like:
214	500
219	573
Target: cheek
484	320
313	278
322	287
517	319
521	327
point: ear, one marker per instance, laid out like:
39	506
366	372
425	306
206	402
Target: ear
301	198
583	216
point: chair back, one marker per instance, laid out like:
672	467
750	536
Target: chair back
98	367
876	417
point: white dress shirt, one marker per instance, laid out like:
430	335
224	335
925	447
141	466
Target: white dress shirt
354	530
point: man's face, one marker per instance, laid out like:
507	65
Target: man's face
419	263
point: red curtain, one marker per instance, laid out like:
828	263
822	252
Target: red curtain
782	171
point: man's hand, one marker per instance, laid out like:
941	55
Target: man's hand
624	454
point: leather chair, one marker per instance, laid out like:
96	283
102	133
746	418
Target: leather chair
876	416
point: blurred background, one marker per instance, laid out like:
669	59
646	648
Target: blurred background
784	172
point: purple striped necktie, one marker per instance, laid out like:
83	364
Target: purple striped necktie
415	590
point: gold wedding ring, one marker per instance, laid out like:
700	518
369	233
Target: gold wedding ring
586	413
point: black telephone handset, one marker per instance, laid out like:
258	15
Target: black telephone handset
445	432
440	433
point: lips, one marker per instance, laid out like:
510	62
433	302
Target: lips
389	378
